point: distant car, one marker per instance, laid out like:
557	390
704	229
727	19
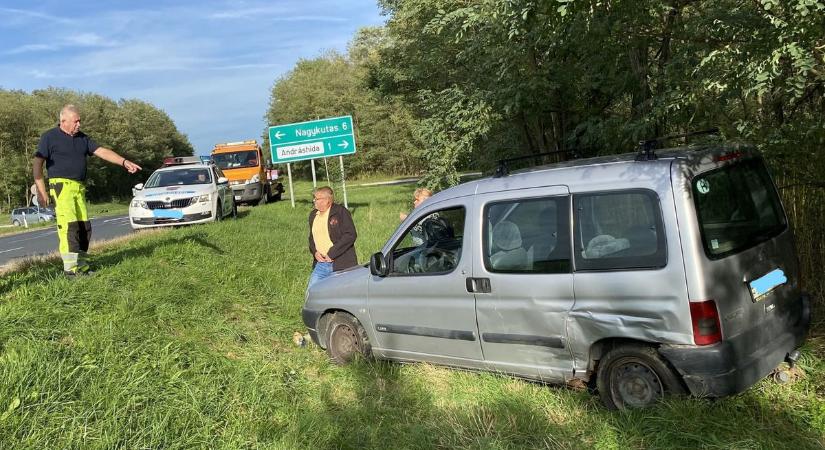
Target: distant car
184	191
32	214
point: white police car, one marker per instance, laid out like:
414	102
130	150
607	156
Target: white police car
185	190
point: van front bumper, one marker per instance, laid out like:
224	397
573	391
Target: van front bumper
311	317
735	364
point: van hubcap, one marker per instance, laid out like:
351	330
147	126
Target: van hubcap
636	384
344	341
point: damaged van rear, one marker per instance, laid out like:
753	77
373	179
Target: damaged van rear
641	274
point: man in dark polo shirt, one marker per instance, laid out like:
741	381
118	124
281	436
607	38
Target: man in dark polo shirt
64	150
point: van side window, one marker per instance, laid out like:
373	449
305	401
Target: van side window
527	236
619	230
432	245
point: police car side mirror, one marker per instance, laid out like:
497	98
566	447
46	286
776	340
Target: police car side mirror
223	180
378	265
139	187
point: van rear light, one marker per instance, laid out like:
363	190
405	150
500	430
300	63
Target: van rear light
705	318
728	156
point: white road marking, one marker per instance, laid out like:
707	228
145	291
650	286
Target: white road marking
34	237
11	250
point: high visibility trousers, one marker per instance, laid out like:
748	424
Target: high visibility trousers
73	227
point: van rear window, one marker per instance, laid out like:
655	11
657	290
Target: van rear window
738	207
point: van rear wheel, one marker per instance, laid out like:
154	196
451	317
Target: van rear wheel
635	376
346	339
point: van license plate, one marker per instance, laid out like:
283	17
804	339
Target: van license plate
761	286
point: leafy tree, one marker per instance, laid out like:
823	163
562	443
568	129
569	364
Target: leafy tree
133	128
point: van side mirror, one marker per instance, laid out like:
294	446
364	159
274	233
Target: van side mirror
378	265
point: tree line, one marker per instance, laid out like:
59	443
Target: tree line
450	85
134	128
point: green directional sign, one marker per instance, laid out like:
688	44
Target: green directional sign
313	139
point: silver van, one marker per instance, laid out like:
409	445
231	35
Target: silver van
673	272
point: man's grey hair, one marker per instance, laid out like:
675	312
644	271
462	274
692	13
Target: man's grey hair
327	191
68	109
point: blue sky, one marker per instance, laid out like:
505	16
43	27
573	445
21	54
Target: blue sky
209	64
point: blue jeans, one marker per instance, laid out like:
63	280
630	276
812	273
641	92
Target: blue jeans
321	271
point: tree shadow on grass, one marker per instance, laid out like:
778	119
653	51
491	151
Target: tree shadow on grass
382	405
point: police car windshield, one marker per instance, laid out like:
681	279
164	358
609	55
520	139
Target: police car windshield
179	177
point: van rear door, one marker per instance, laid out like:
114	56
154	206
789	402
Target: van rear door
751	270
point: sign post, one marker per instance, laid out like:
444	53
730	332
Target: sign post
312	140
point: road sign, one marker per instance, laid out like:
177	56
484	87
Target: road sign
313	139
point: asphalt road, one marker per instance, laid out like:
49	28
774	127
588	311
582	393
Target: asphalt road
44	240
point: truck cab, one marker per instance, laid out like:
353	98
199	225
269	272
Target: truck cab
244	165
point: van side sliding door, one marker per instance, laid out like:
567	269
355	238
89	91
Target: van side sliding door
522	280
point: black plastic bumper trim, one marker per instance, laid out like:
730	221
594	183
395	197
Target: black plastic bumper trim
523	339
428	332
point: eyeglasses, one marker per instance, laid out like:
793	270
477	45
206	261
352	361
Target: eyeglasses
319	199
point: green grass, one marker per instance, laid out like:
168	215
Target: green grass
183	339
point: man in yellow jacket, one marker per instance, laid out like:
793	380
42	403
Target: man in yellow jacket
64	150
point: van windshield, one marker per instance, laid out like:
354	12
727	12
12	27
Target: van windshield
738	207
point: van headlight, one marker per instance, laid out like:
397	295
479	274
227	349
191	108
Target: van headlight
204	198
139	204
255	178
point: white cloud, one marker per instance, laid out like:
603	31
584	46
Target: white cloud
20	16
29	48
203	63
274	13
89	40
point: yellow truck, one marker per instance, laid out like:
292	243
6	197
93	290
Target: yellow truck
244	165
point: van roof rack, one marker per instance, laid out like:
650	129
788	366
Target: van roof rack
647	147
502	168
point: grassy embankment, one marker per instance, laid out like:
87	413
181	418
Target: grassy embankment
184	339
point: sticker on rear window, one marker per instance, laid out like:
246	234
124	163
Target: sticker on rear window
703	186
766	283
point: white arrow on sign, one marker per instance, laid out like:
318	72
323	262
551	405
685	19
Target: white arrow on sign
279	135
344	144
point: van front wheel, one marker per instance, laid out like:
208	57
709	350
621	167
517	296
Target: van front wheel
346	339
635	376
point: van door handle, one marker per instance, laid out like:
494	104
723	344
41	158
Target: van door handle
478	285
